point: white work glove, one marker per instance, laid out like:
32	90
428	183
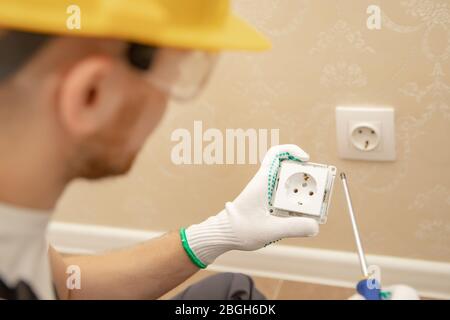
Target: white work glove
397	292
245	223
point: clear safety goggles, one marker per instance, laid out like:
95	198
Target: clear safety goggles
180	73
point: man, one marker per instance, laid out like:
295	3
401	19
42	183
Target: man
80	104
74	106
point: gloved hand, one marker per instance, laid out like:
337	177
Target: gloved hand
396	292
245	223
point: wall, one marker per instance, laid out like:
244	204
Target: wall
323	55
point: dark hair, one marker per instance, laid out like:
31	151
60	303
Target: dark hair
17	47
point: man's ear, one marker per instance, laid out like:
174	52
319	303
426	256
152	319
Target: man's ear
86	98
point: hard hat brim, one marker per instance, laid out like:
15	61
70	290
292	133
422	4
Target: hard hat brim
235	34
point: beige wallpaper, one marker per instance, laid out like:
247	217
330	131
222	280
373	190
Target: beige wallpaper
323	55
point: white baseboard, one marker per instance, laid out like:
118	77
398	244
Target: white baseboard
338	268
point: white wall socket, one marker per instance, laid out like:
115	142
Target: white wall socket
304	189
365	133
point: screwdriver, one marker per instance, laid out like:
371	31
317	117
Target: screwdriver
369	292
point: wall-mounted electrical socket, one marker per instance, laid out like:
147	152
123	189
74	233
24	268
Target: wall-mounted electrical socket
365	133
365	136
304	189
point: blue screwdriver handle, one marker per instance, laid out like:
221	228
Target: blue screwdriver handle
369	289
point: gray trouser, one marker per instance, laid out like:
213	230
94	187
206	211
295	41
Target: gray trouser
222	286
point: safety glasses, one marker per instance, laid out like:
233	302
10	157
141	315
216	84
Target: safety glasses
180	73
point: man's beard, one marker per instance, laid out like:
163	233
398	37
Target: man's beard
101	168
93	164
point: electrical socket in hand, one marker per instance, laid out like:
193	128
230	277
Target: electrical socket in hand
303	189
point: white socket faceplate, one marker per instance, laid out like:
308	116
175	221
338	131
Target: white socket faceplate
381	145
304	189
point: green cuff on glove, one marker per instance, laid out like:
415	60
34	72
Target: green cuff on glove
189	251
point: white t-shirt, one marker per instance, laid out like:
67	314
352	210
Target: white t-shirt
24	250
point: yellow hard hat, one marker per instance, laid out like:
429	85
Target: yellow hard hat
196	24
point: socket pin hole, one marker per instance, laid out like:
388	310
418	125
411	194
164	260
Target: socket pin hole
359	131
311	193
296	182
271	210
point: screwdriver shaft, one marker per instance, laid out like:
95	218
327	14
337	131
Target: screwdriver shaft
362	257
